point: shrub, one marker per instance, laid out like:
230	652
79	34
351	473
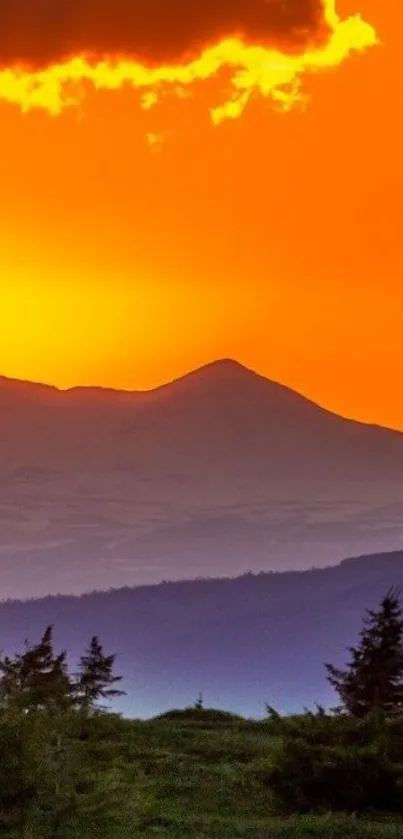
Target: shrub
311	776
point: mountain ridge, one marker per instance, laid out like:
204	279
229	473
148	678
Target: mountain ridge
242	641
227	371
381	561
220	470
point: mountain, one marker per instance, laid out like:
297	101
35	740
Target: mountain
217	473
242	641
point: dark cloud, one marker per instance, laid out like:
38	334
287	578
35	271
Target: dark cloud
38	32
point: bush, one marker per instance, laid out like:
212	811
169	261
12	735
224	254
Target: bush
315	777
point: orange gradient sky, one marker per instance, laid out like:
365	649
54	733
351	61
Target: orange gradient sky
275	238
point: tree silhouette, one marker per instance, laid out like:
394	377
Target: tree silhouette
95	676
199	704
36	679
374	679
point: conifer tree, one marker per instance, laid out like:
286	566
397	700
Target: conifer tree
95	676
374	679
36	679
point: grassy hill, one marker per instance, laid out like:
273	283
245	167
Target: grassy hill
202	774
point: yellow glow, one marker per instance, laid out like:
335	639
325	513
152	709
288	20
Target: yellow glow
55	323
88	331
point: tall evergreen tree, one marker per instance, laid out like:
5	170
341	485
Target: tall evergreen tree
36	679
374	679
95	676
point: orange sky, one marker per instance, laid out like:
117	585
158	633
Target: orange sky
274	238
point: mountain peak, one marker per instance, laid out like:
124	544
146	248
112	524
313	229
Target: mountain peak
215	373
226	364
222	379
229	383
222	368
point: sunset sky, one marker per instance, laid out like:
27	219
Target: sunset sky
139	243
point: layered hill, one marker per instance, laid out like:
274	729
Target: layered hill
217	473
242	641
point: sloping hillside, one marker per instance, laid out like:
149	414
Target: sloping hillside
218	473
242	641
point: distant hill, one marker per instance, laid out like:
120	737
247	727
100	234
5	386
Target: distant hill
241	642
217	473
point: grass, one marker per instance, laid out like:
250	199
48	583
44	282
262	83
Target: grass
203	776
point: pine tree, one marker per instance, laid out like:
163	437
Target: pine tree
36	679
95	676
374	679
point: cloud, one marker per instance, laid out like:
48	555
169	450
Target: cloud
38	33
53	51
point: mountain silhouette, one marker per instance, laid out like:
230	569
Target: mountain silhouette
219	472
242	641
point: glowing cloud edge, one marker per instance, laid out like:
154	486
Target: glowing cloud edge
255	70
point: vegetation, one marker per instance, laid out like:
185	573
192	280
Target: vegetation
375	676
38	679
70	768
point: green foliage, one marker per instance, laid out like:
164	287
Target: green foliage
339	764
309	778
100	775
39	680
16	788
68	770
374	679
60	775
56	772
202	717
